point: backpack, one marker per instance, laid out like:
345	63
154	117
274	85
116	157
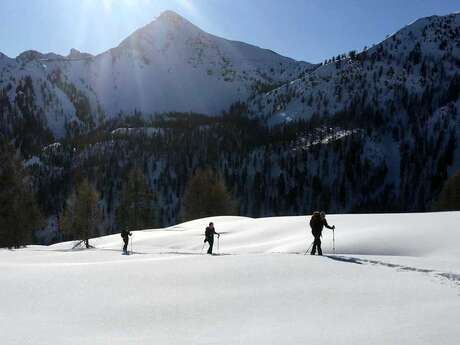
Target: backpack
208	233
316	222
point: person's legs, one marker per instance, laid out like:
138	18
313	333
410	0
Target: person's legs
211	243
316	245
313	248
125	247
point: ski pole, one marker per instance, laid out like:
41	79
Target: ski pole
131	251
218	242
202	248
333	240
309	248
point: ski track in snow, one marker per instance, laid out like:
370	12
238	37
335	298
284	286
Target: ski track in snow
441	276
175	255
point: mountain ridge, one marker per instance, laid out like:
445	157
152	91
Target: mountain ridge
168	65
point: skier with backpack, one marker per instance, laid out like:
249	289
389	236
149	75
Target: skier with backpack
317	222
209	236
125	233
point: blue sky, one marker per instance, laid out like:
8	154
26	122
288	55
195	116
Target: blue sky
309	30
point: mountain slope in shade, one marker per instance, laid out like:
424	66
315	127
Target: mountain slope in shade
28	92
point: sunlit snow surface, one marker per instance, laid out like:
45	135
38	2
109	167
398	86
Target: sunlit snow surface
395	279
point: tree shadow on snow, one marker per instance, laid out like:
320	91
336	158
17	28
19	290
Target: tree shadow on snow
179	253
194	253
121	251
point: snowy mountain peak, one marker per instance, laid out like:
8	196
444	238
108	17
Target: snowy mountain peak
28	56
174	22
168	27
3	56
168	65
171	16
76	54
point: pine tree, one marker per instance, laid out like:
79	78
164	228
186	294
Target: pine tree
82	217
449	199
205	196
136	210
19	213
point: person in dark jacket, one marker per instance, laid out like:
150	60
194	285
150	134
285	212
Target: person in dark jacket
209	236
317	222
125	233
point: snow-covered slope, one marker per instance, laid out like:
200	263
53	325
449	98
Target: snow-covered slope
394	280
26	91
168	65
172	65
420	59
402	95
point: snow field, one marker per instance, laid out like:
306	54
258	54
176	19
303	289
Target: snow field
394	280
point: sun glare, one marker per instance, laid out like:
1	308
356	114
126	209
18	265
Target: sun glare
99	14
108	5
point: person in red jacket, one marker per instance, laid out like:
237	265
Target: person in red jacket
317	222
